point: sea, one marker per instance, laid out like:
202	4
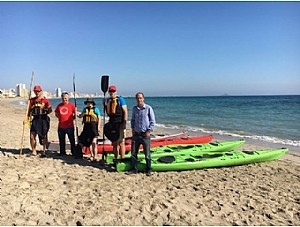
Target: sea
272	121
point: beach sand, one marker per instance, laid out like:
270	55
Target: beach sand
65	191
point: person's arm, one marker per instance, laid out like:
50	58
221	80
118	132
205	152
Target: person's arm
49	109
125	117
56	111
99	119
151	119
74	112
29	108
48	106
28	114
132	121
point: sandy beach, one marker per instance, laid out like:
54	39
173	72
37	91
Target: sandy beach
65	191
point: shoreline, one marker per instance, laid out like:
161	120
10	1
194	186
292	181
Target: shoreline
259	140
65	191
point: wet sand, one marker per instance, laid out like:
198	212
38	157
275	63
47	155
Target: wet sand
65	191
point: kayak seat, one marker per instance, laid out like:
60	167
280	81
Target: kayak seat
249	152
189	159
166	159
185	147
214	144
206	156
167	150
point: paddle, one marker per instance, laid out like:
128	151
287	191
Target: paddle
104	88
26	114
78	149
74	89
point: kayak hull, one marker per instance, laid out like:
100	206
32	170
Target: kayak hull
179	149
54	145
155	142
206	160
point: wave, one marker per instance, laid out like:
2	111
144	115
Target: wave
269	139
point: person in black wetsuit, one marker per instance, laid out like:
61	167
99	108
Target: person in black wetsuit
116	109
39	108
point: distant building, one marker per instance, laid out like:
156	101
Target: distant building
58	92
21	90
8	93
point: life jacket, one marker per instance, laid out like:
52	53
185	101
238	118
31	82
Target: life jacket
114	110
89	116
38	108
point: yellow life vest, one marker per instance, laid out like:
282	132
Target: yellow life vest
114	110
89	115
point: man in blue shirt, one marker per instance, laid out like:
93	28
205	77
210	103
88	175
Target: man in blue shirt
142	124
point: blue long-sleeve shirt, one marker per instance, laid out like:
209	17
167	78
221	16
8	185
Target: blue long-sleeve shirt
142	119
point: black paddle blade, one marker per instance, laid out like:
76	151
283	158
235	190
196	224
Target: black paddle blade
74	83
104	83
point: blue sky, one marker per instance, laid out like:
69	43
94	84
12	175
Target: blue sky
160	48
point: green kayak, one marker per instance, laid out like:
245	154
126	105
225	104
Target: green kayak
157	152
205	159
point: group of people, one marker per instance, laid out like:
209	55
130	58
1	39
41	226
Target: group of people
142	124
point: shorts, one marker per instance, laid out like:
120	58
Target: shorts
122	135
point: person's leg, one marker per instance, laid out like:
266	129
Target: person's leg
46	127
135	144
32	137
122	149
62	140
71	136
33	142
146	148
94	150
45	144
115	149
122	143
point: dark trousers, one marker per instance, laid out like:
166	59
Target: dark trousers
62	139
137	140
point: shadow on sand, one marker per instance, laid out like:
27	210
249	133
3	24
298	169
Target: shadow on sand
68	159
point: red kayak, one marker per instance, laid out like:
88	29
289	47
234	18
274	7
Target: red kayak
54	145
155	142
